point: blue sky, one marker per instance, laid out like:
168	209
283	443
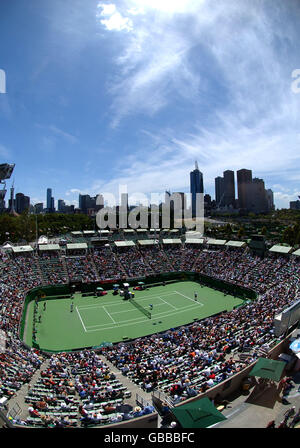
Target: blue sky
103	95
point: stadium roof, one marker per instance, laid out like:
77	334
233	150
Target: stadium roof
124	243
236	243
297	252
281	249
89	232
155	230
18	249
128	230
104	231
216	242
147	242
49	247
77	246
197	414
141	230
77	232
194	241
268	368
172	241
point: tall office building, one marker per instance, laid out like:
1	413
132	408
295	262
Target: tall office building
38	208
229	188
258	199
196	183
270	199
61	205
49	196
219	191
295	205
244	181
22	203
90	205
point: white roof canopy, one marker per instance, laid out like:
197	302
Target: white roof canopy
124	243
236	243
49	247
18	249
280	249
147	242
194	241
171	241
216	242
77	246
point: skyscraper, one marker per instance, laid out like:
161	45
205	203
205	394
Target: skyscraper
258	198
270	199
219	191
22	202
196	183
61	205
244	181
229	188
49	195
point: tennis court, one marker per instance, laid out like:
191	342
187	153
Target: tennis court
66	324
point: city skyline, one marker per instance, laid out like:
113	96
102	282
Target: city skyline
131	94
232	191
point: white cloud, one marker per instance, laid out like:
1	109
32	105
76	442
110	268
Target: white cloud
59	132
113	19
231	65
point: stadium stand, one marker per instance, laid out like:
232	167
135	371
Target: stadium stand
79	389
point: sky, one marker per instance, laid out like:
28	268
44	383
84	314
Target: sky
109	97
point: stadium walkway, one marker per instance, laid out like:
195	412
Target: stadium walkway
132	387
257	409
17	403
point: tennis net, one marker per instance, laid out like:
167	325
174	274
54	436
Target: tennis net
141	308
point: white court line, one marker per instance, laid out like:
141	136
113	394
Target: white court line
140	299
131	320
130	311
158	316
81	320
109	315
167	303
103	326
189	298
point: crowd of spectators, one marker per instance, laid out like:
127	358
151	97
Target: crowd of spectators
132	262
194	354
107	264
81	269
52	268
182	362
79	389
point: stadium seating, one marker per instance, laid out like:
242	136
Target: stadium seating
79	389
